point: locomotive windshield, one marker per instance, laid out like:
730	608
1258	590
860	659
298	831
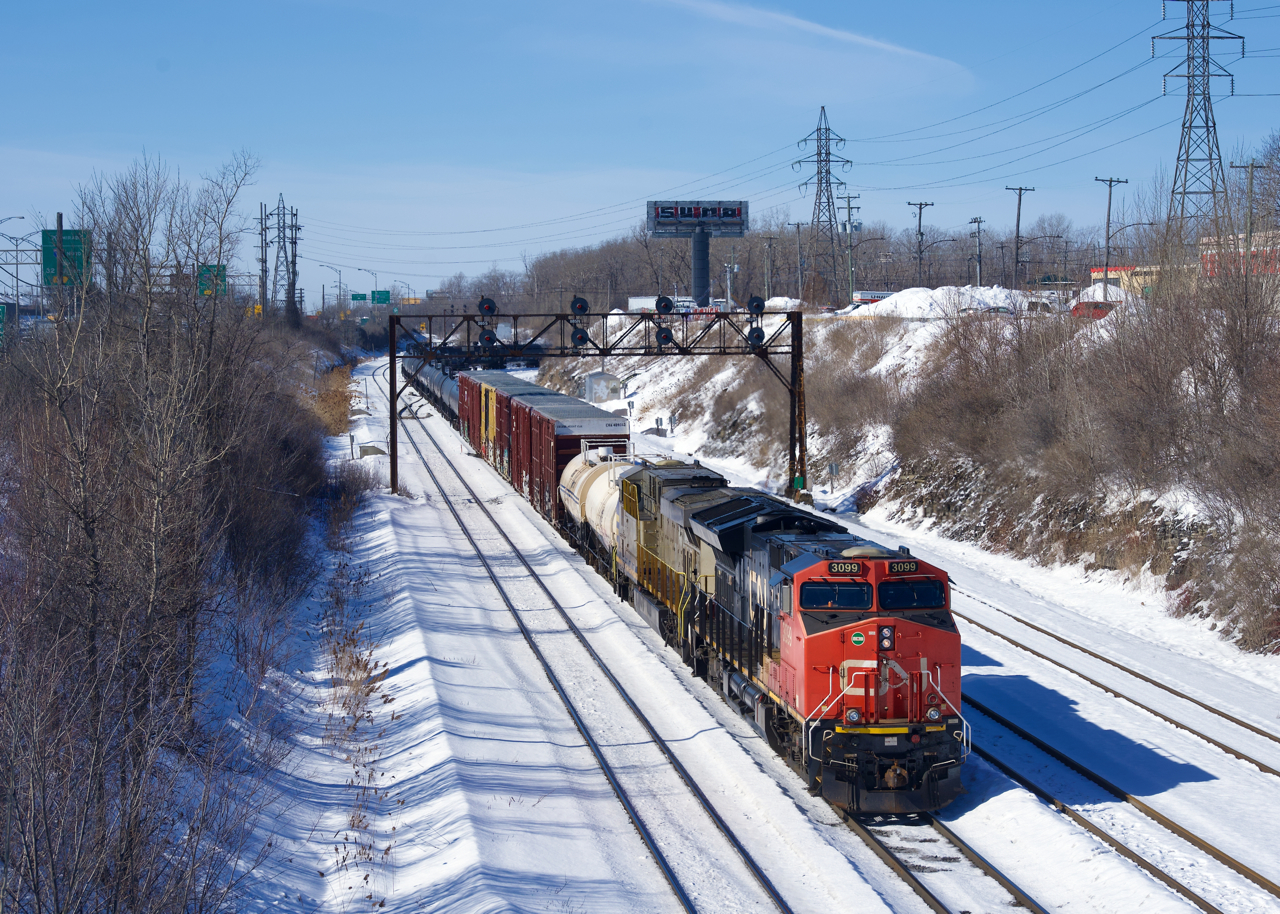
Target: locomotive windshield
912	595
835	596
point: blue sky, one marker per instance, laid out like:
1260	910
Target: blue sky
423	139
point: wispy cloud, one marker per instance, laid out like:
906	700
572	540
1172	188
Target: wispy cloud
767	19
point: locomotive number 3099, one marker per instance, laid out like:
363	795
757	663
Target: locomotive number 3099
843	568
903	567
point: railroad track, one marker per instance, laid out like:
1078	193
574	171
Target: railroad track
629	774
1113	690
1151	814
915	867
1144	809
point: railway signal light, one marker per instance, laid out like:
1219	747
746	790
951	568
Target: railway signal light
487	306
580	337
664	305
488	338
755	304
579	305
665	336
755	336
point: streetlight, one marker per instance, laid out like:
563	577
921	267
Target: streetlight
406	285
339	272
371	273
17	255
7	218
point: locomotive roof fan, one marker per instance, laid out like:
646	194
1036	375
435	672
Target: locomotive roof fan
755	304
664	305
487	307
579	305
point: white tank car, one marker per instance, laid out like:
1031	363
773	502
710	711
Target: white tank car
589	491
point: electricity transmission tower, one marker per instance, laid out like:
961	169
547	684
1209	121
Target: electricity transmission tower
823	226
280	276
1198	179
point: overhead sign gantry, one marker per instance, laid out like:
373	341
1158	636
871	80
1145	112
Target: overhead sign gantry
464	339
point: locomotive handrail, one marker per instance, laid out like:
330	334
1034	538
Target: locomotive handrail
966	732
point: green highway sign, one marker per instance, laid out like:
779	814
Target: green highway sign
381	297
211	279
77	256
359	296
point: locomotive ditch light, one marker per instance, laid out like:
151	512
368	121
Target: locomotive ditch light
933	714
853	715
664	305
886	637
579	305
580	337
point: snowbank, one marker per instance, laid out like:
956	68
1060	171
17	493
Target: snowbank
926	304
1114	294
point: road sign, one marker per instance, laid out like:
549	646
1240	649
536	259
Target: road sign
211	279
359	296
382	297
77	251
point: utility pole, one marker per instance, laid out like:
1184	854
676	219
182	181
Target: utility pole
799	262
262	256
1106	258
292	313
1017	233
768	266
977	221
848	221
1004	275
919	239
1248	218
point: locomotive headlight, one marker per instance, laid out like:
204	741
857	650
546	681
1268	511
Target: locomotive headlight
886	637
933	714
853	715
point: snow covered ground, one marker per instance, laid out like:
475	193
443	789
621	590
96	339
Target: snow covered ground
486	799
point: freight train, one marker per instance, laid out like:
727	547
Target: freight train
841	653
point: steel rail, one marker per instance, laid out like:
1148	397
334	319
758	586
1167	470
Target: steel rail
1117	845
661	743
903	869
1159	817
1181	725
668	873
1134	673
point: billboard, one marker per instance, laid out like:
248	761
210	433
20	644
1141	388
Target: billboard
679	218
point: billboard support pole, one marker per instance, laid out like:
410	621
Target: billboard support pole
700	257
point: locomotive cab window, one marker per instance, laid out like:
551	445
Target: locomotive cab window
911	595
845	595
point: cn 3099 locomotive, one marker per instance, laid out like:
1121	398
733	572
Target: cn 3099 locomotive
842	653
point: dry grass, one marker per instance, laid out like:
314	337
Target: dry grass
333	400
